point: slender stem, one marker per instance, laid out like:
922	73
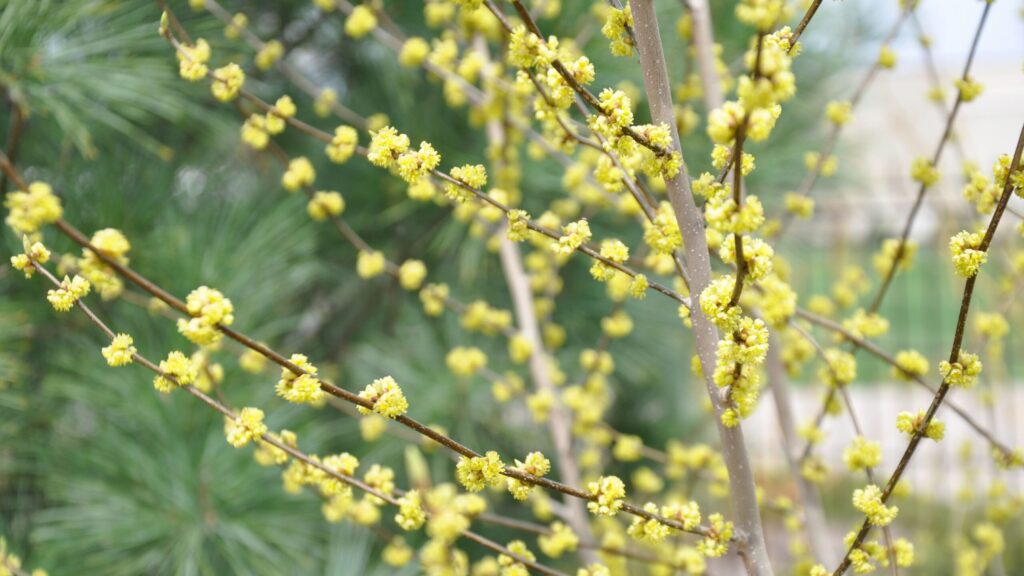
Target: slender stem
954	354
734	451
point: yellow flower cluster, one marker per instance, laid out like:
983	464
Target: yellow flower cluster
962	372
370	264
192	61
886	57
527	50
662	233
360	22
300	173
910	423
511	566
892	255
411	274
922	170
827	166
71	291
414	52
536	465
410	511
560	540
472	175
615	30
757	254
839	112
869	501
29	210
840	367
686	513
799	205
865	325
269	54
608	493
969	88
34	252
965	249
648	530
910	363
466	361
386	396
343	144
176	370
574	235
325	204
716	543
478	472
434	297
246	427
417	164
300	388
227	82
863	453
120	352
762	14
208	309
715	303
386	145
518	225
479	316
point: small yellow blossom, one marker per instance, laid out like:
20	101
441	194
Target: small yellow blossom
386	396
410	511
370	264
479	472
839	112
969	88
518	225
177	366
208	309
192	61
608	493
472	175
415	165
414	52
863	453
121	350
411	274
343	144
910	424
246	427
434	298
910	363
799	205
360	22
466	361
325	204
269	54
923	171
561	539
648	530
869	501
324	102
227	82
386	145
303	388
300	173
965	248
886	57
962	372
537	465
615	30
71	291
29	210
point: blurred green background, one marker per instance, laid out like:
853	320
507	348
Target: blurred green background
100	475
